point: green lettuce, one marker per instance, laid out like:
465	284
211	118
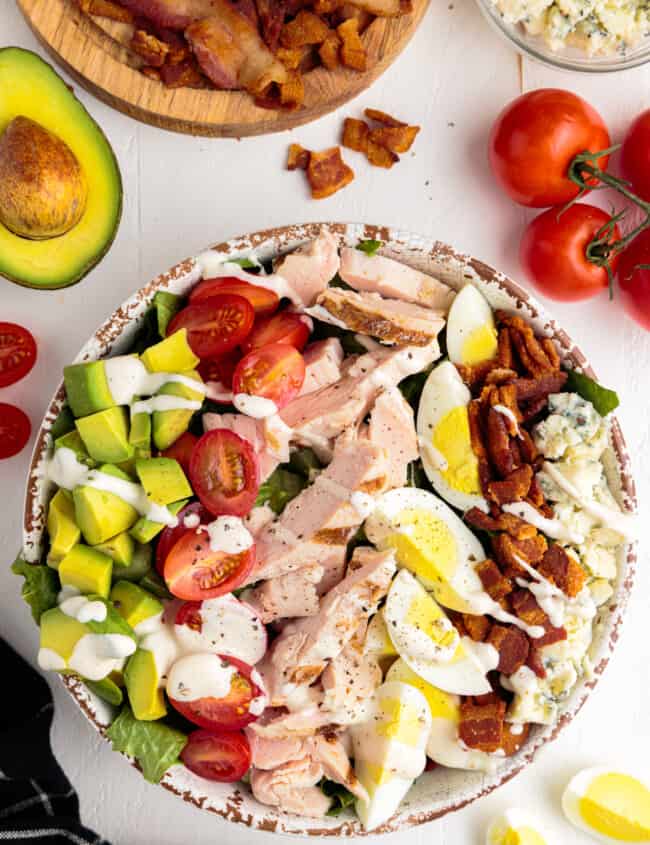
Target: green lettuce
341	797
279	489
40	588
370	246
603	399
154	745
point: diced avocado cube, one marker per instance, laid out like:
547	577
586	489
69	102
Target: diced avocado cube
133	603
61	526
86	387
87	569
116	472
72	440
106	435
119	548
60	633
171	355
101	515
145	529
163	480
154	583
106	689
139	566
140	435
168	425
166	305
143	686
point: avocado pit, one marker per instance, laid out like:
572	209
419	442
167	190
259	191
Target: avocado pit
43	188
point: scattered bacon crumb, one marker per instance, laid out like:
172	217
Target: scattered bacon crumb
562	570
501	522
106	9
495	584
478	627
355	134
329	51
508	550
298	157
397	139
291	58
328	173
305	28
380	156
292	92
512	742
185	74
151	73
481	722
513	488
152	50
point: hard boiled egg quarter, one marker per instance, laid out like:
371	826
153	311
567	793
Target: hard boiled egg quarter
433	543
515	827
429	644
444	438
471	333
389	749
610	806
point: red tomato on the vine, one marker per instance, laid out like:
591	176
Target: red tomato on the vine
634	279
635	156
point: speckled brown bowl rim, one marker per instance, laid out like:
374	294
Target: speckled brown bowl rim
421	252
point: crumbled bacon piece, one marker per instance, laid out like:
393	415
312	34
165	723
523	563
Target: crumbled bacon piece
498	443
504	349
481	722
355	134
524	605
183	75
534	661
327	173
530	350
500	375
513	488
380	156
291	58
501	522
508	550
511	742
478	447
106	9
529	389
551	635
495	584
329	53
476	374
305	28
477	627
397	139
151	73
298	157
527	448
152	50
353	53
563	570
512	645
292	92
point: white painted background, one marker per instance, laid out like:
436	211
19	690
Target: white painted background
181	194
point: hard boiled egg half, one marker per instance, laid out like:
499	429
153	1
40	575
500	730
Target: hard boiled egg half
471	333
444	438
389	749
515	827
429	644
609	805
433	543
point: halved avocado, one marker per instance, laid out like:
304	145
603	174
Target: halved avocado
30	87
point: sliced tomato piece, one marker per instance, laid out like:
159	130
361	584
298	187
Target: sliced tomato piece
224	756
192	571
263	300
181	449
220	369
215	326
224	472
275	372
283	327
17	353
169	535
15	429
189	613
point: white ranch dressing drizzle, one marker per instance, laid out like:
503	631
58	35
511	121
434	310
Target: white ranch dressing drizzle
257	407
363	503
482	603
65	470
551	527
157	636
97	655
199	676
507	412
83	610
623	523
164	403
228	534
552	600
128	377
214	267
433	456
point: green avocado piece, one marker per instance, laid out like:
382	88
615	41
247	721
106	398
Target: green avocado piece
139	566
119	548
163	480
106	689
169	425
140	435
142	684
31	88
86	386
101	515
166	304
72	440
63	423
133	603
171	355
106	435
154	583
61	526
87	569
60	632
145	529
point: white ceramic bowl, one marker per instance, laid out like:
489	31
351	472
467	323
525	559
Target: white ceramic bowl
442	790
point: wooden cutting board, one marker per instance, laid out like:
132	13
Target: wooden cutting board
93	51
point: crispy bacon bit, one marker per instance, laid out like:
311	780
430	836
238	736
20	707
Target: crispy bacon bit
513	488
481	722
478	447
270	14
326	7
563	570
183	75
153	51
524	605
477	627
305	28
530	351
397	139
501	522
379	156
512	645
527	448
292	92
498	442
355	135
551	635
495	584
534	661
353	53
151	73
500	375
512	742
298	157
536	495
551	352
290	58
106	9
507	549
382	117
533	408
529	389
328	173
475	375
329	52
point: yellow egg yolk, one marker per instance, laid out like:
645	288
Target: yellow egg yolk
521	836
399	720
424	545
451	438
617	805
424	614
442	704
480	345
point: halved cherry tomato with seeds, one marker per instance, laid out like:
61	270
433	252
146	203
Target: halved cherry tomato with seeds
181	449
189	613
169	535
194	572
274	372
223	756
220	369
15	429
263	300
224	473
233	710
215	326
17	353
283	327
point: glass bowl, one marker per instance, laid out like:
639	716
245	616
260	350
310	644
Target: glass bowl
570	58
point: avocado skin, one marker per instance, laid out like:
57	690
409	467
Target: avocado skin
26	67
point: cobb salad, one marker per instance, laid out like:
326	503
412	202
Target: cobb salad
329	524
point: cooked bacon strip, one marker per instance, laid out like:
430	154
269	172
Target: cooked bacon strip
502	522
355	135
498	442
481	722
495	584
478	627
328	173
513	488
298	157
512	645
152	50
504	349
507	549
106	9
530	351
478	447
535	388
563	570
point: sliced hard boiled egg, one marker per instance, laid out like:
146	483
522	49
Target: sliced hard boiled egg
471	333
377	641
443	745
515	827
433	543
430	645
389	749
610	806
444	438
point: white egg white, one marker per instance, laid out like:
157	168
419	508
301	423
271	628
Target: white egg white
471	333
515	825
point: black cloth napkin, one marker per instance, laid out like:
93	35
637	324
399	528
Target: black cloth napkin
37	802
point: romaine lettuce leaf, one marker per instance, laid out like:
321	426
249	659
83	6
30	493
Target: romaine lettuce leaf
154	745
603	399
40	588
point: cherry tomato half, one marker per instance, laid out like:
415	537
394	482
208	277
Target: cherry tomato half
233	710
181	449
224	473
192	571
552	252
283	327
263	300
634	281
189	613
275	372
215	326
224	756
635	155
17	353
534	140
169	535
220	369
15	429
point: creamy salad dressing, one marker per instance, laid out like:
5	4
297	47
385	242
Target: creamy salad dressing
199	676
214	267
228	534
84	610
508	414
254	406
128	377
433	455
553	528
164	403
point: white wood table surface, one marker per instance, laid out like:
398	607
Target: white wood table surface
180	195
